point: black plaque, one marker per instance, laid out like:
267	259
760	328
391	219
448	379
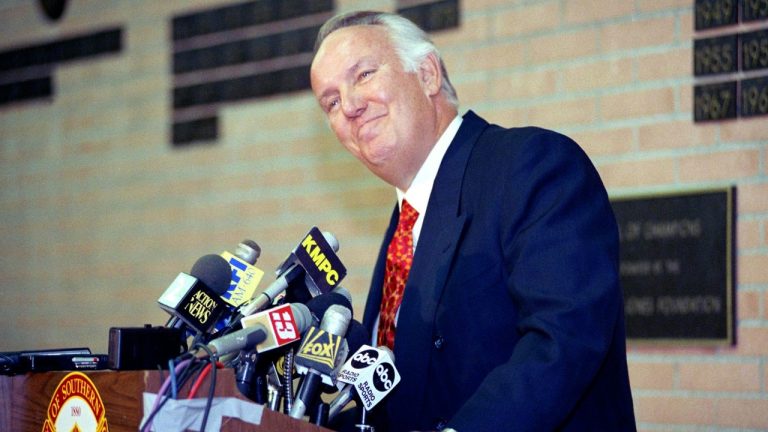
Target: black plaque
714	101
715	13
677	266
433	16
715	55
754	50
754	10
754	97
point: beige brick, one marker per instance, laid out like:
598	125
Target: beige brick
524	85
471	30
563	46
733	377
599	75
748	304
742	413
472	92
484	5
496	56
676	134
765	313
606	142
686	101
638	103
753	269
753	129
752	198
507	117
637	34
651	376
720	166
527	19
748	234
588	11
660	5
674	410
553	115
668	65
638	173
687	30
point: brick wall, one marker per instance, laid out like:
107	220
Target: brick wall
100	212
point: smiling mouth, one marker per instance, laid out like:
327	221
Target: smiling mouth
365	128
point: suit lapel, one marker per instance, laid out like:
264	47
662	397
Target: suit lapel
440	236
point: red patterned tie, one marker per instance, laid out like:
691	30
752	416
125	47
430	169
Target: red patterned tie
399	259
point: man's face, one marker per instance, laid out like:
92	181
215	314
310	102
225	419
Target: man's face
383	115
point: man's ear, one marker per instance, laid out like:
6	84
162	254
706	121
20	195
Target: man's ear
430	74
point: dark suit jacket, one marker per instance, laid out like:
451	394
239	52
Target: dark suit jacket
512	317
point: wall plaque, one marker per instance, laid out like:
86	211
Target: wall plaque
676	266
715	55
714	101
754	97
714	13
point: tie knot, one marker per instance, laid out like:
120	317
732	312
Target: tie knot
408	216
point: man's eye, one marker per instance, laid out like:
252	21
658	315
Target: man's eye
332	104
364	74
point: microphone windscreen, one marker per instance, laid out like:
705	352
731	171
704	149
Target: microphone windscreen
297	291
302	316
318	305
343	291
214	271
332	241
249	251
357	336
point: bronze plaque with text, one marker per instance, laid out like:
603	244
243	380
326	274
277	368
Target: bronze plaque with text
676	266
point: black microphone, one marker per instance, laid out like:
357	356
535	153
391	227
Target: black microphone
194	299
264	331
320	304
320	354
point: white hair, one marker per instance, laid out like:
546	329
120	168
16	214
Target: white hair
411	43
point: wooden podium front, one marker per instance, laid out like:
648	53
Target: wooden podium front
25	400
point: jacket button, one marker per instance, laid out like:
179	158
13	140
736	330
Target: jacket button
439	342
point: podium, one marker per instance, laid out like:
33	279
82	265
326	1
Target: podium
27	402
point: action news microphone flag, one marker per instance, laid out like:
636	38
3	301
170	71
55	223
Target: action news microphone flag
195	298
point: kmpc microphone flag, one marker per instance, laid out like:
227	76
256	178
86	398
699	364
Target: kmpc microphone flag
319	260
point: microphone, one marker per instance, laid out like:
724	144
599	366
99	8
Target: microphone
314	257
357	336
318	357
320	304
194	299
264	331
245	277
370	375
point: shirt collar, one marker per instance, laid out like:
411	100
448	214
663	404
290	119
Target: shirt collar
421	187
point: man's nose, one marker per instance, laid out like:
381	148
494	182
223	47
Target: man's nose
352	104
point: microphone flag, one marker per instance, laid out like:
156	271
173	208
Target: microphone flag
373	374
319	260
245	279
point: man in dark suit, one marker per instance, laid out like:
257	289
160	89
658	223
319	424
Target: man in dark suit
511	318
